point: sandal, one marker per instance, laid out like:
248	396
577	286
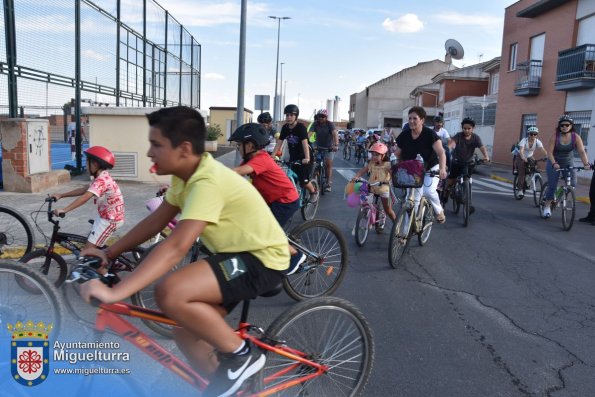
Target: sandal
440	218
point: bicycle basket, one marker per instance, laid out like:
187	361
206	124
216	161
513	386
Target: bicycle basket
408	173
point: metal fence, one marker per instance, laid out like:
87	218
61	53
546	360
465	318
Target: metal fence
59	55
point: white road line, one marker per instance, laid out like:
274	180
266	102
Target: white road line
492	185
346	173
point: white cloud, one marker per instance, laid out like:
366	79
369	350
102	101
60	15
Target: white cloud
94	55
408	23
458	19
214	76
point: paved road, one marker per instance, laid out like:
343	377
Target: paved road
501	308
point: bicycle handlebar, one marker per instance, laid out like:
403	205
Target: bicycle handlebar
379	183
87	269
50	201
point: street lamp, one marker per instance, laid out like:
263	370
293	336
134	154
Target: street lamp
281	90
276	102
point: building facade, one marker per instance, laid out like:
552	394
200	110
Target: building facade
548	69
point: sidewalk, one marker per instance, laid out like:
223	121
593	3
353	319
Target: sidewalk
504	173
135	195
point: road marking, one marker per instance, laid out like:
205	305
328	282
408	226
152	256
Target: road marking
492	185
346	173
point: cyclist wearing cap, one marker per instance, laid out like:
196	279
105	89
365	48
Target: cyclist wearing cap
105	191
559	149
527	147
266	121
327	137
296	137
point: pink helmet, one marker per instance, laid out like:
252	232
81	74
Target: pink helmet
379	147
322	112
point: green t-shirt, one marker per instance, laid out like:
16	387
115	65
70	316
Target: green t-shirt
238	219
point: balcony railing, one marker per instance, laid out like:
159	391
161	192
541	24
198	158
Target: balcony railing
528	80
576	68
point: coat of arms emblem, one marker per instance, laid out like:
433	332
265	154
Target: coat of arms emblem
29	352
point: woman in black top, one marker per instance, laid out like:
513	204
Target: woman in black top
418	139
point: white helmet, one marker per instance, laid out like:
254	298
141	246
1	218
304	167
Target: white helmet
533	129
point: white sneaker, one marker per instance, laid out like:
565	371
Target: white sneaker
547	212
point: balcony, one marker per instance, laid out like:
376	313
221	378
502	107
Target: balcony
528	82
576	68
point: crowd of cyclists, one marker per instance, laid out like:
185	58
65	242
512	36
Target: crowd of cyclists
238	218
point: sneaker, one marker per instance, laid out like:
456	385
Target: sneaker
328	188
314	197
547	212
471	209
295	262
521	195
587	219
233	370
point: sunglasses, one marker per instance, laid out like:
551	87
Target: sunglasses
565	125
533	134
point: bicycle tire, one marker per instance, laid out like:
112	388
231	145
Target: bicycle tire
18	304
400	235
456	200
515	189
466	202
362	226
542	199
320	179
50	264
348	153
345	152
323	275
568	207
146	297
309	209
537	189
16	238
427	220
328	330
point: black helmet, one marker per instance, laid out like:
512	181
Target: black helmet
566	118
468	120
264	117
438	119
291	109
251	132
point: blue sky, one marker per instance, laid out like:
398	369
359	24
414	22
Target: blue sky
329	48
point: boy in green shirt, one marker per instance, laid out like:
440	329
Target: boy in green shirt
232	219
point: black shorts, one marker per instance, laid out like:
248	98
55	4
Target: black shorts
242	276
303	172
457	169
284	211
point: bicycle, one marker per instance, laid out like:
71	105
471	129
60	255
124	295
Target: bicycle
460	192
410	221
319	169
347	150
564	197
307	208
371	212
53	265
322	346
533	181
360	153
16	234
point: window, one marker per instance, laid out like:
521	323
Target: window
494	81
582	122
528	120
513	53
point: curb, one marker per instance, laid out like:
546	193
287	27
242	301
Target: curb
581	199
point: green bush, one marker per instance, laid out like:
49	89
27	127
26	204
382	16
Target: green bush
214	132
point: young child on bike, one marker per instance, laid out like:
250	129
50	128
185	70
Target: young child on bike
235	224
268	178
379	168
105	191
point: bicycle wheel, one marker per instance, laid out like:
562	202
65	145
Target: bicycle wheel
399	236
427	219
18	304
326	263
348	153
568	207
515	188
50	264
466	193
537	188
16	234
345	152
329	331
320	179
542	199
146	297
362	226
456	199
309	209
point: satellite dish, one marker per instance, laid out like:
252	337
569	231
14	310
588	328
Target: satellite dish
454	49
